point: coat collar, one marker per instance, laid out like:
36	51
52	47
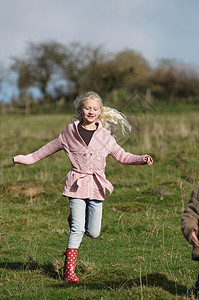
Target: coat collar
75	124
97	122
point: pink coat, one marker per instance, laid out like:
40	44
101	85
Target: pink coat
86	178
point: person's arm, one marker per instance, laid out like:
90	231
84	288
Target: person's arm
127	158
41	153
190	218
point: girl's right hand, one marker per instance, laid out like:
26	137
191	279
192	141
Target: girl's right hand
194	239
148	160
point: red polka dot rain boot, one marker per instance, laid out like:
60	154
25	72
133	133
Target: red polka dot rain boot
69	265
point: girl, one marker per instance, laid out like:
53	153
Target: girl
87	142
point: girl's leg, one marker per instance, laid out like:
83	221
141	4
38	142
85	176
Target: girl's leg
69	221
77	208
93	218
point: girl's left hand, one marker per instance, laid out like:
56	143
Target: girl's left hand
148	160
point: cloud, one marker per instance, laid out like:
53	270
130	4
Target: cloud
155	28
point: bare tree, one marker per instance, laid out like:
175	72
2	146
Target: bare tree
81	67
24	78
40	65
3	76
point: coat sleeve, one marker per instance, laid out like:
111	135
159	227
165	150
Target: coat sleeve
125	158
190	217
46	150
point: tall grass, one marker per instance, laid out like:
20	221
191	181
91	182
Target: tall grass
140	254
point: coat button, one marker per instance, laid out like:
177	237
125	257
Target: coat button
85	154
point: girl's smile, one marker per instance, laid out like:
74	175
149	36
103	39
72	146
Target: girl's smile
90	111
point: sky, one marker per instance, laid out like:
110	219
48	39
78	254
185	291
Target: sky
158	29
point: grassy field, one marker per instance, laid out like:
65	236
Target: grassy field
140	254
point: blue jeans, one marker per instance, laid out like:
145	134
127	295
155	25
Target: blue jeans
86	217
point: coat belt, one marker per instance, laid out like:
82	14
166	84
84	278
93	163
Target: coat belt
98	174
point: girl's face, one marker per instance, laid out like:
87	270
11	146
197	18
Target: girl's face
90	110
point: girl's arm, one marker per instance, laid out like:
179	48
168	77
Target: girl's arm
127	158
190	217
43	152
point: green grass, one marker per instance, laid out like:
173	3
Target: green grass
140	254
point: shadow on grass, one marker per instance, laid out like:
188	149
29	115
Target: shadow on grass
150	280
45	268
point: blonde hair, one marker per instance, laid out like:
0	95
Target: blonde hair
113	120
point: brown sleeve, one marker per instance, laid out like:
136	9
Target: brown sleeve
190	217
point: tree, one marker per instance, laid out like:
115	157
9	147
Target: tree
39	67
175	79
81	68
124	70
3	76
87	68
133	70
24	79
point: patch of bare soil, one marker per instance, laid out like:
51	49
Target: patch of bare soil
29	190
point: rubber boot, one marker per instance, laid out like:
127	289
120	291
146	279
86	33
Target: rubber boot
69	265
